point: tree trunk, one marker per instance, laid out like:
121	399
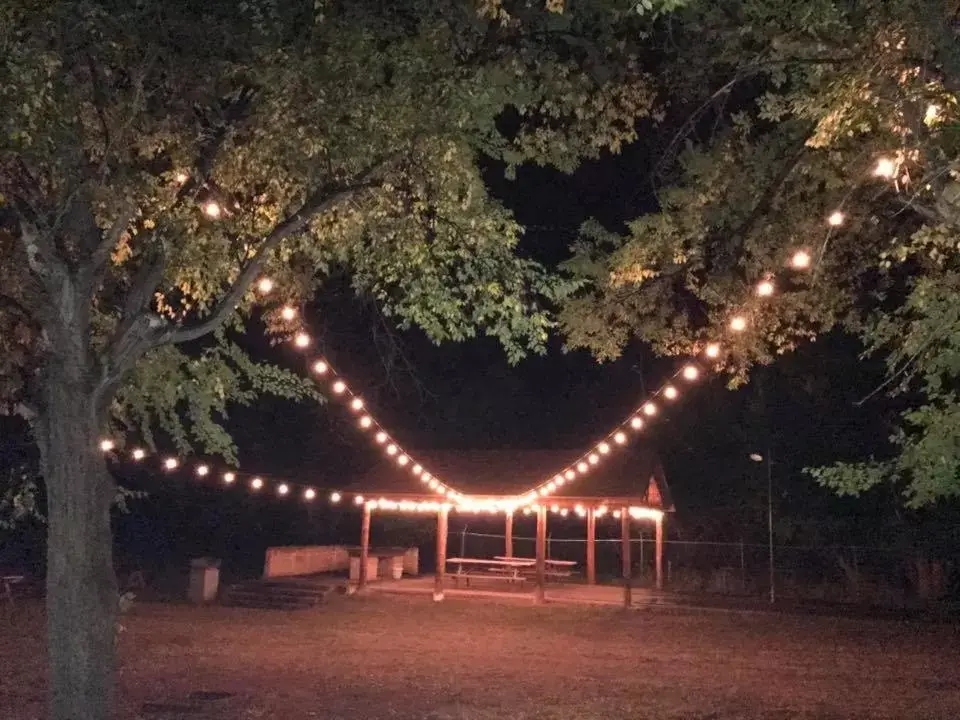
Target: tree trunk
81	584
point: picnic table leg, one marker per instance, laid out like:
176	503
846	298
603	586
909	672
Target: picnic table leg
441	555
540	595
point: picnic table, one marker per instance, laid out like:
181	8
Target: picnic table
503	568
555	568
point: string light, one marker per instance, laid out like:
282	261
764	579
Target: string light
593	459
211	209
620	438
320	367
265	285
366	421
570	475
138	454
335	497
604	448
381	437
356	404
416	469
107	445
339	387
358	500
836	219
738	323
203	470
649	409
670	392
391	449
713	350
171	463
256	483
690	372
402	460
765	288
301	340
283	489
582	467
885	168
288	313
801	260
310	494
229	477
636	422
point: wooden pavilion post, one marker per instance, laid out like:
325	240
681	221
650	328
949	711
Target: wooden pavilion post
442	517
659	553
364	547
591	546
625	554
508	535
540	594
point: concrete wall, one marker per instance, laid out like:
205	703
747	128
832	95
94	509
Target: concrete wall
305	560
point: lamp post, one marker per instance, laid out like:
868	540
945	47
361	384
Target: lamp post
758	458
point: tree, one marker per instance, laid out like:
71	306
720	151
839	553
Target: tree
829	127
157	158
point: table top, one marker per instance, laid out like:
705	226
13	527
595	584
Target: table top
498	562
563	563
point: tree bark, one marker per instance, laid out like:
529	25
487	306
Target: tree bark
81	585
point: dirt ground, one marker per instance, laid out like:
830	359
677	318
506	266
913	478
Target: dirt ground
405	658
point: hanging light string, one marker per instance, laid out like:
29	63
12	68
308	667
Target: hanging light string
708	357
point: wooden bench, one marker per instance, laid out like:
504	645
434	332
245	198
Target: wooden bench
497	570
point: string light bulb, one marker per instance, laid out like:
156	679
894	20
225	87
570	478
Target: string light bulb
765	288
620	438
283	489
301	340
265	285
738	323
636	422
171	463
138	454
670	392
229	477
381	437
203	470
339	387
320	367
593	459
366	421
800	260
107	445
570	474
391	449
690	372
358	500
713	350
885	168
649	409
212	209
256	483
402	460
288	313
356	404
604	448
335	497
836	219
310	494
582	467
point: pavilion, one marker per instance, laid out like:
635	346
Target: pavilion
629	485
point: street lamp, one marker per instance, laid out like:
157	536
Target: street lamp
758	458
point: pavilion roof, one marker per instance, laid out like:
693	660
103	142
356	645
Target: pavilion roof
632	472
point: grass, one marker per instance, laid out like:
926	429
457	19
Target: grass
406	658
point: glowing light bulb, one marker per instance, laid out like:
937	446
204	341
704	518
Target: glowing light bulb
402	460
426	477
564	512
690	372
836	218
356	404
310	494
765	288
738	323
256	483
552	486
180	178
288	313
138	454
670	392
381	437
283	489
542	491
335	497
582	467
649	409
229	477
636	422
570	475
616	513
265	285
713	350
885	168
211	209
366	421
358	500
301	340
554	508
593	459
416	469
391	449
339	387
526	511
171	463
203	470
320	367
620	438
604	448
801	260
107	445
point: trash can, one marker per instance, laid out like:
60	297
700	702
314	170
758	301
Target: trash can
204	580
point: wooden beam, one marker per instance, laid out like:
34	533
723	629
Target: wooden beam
442	517
625	554
660	553
508	536
364	547
540	595
591	547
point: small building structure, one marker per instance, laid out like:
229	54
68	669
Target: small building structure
628	485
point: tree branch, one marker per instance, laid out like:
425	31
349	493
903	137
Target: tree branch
94	269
